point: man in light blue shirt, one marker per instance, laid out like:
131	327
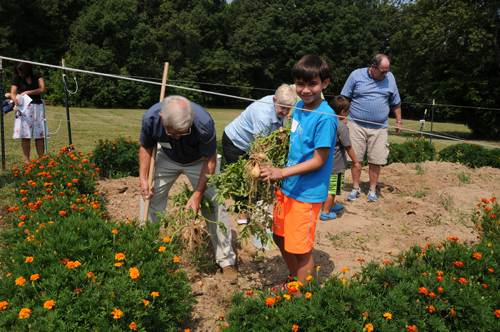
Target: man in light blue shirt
261	117
372	92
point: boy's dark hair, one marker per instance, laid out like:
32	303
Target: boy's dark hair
310	66
25	68
339	103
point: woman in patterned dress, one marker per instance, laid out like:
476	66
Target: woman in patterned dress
30	123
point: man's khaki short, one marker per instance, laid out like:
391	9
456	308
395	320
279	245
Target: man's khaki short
373	142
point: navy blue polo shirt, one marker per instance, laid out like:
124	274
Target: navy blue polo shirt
202	142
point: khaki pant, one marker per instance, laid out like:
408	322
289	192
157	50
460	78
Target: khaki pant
166	173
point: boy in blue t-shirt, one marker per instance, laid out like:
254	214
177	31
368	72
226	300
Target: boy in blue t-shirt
307	174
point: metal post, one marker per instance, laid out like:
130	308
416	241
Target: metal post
45	130
432	116
422	126
67	107
1	120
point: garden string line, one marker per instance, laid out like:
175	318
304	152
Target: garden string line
224	95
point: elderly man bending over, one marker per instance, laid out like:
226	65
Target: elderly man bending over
186	133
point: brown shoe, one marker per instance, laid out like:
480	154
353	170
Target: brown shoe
230	274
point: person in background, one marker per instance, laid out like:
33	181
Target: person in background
30	123
261	117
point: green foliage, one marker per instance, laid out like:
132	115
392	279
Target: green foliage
444	287
61	243
413	150
487	218
117	158
471	155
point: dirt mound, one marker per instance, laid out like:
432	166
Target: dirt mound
417	204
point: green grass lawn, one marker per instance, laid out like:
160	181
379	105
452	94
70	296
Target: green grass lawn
88	125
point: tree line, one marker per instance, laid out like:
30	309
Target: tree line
440	49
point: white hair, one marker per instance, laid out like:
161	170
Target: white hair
177	113
286	95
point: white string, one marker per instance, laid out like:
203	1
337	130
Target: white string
230	96
99	123
97	115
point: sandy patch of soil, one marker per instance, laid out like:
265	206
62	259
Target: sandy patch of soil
416	205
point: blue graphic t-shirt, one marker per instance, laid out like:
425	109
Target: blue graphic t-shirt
310	131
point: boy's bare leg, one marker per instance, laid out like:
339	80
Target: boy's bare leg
328	204
26	145
39	147
305	266
290	259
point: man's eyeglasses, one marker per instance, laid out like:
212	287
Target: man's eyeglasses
382	72
177	135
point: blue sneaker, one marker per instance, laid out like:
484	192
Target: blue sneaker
354	194
372	196
337	208
330	216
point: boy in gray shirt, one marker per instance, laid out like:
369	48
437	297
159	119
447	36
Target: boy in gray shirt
341	106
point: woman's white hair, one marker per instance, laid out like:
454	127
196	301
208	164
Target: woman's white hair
177	113
286	95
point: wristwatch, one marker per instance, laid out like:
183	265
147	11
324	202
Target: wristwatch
400	121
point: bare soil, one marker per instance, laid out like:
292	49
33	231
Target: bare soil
417	204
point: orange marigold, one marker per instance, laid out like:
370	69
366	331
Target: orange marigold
146	302
132	325
34	277
49	304
497	313
134	273
249	293
117	313
176	259
270	301
308	295
162	249
369	327
3	305
430	308
477	255
344	269
295	327
423	290
120	256
155	294
440	289
62	213
412	328
29	259
462	281
24	313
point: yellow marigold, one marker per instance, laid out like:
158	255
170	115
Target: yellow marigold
134	273
388	315
146	302
118	264
309	278
308	295
3	305
369	327
155	294
162	249
132	326
117	313
24	313
49	304
176	259
119	256
34	277
29	259
344	269
20	281
286	296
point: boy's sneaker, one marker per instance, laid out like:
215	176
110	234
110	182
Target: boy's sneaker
337	208
330	216
372	196
354	194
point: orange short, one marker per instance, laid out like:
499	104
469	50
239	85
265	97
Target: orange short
296	222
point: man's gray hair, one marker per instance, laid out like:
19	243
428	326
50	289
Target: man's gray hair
177	113
286	95
378	58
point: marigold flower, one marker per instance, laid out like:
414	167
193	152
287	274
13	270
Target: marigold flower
439	273
114	231
117	313
134	273
386	262
439	278
493	216
34	277
412	328
71	264
361	260
24	313
29	259
369	327
308	295
365	314
458	264
249	293
118	264
132	325
491	270
497	313
493	199
62	213
75	180
155	294
176	259
430	308
344	269
295	327
440	289
49	304
166	239
462	281
146	302
286	296
431	294
162	249
3	305
388	315
423	290
424	274
270	301
477	255
119	256
452	312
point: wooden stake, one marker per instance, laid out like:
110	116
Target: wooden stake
153	155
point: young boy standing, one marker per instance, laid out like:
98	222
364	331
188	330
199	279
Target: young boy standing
340	105
307	174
